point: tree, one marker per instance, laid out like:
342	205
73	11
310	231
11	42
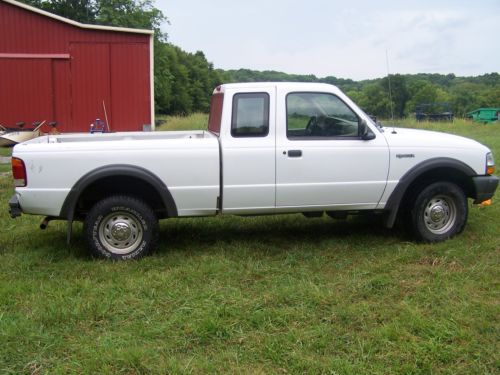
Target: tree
79	10
490	97
424	92
139	14
374	100
465	97
398	92
123	13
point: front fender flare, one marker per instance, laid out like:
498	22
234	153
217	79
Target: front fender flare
394	201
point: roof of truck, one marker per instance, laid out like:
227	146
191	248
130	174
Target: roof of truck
308	86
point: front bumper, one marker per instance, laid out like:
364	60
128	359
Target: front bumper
485	187
14	207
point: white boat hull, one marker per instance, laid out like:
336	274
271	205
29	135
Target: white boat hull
8	139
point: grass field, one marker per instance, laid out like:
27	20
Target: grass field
5	151
5	167
278	294
197	121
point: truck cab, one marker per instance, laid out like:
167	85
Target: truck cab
296	147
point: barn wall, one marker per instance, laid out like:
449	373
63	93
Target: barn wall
24	92
66	73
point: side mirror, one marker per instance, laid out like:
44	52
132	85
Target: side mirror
365	132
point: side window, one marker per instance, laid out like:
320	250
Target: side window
250	116
319	115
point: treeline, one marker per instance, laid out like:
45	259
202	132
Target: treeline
462	94
184	81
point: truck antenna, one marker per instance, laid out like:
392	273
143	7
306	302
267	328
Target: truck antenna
389	81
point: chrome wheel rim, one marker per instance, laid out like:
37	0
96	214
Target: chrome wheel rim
120	232
440	214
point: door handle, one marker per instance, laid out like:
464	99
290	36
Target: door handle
294	153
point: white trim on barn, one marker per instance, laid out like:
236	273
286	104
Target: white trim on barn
151	81
34	56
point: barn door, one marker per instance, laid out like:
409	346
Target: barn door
90	83
25	91
61	78
130	86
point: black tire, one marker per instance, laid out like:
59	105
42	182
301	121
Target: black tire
121	228
439	212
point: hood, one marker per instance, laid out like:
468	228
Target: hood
404	137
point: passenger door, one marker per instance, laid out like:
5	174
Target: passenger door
322	160
248	151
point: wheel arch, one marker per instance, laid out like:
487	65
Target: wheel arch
118	179
432	170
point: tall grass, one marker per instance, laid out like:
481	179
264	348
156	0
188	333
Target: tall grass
277	294
197	121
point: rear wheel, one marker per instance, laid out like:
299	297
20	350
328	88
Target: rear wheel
120	228
439	212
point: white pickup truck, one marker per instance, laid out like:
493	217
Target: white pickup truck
270	148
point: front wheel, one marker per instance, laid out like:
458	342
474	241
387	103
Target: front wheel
121	228
439	212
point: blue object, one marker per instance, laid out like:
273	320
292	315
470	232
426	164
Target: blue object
98	126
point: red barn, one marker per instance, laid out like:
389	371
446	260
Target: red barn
56	69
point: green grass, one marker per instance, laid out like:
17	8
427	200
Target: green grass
197	121
5	151
277	294
5	167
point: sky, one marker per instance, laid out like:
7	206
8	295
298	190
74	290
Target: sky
358	39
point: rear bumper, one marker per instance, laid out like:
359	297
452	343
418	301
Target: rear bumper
485	187
14	207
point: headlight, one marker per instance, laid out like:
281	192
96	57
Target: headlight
490	163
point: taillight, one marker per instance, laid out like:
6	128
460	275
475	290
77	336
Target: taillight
19	172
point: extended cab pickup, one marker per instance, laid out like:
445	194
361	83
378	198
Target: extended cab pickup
270	148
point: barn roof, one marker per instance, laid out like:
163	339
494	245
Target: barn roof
75	23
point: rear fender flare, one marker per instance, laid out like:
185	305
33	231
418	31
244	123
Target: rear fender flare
69	205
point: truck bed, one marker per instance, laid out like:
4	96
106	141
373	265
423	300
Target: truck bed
186	161
123	136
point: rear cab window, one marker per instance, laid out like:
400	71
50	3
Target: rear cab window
215	116
250	116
